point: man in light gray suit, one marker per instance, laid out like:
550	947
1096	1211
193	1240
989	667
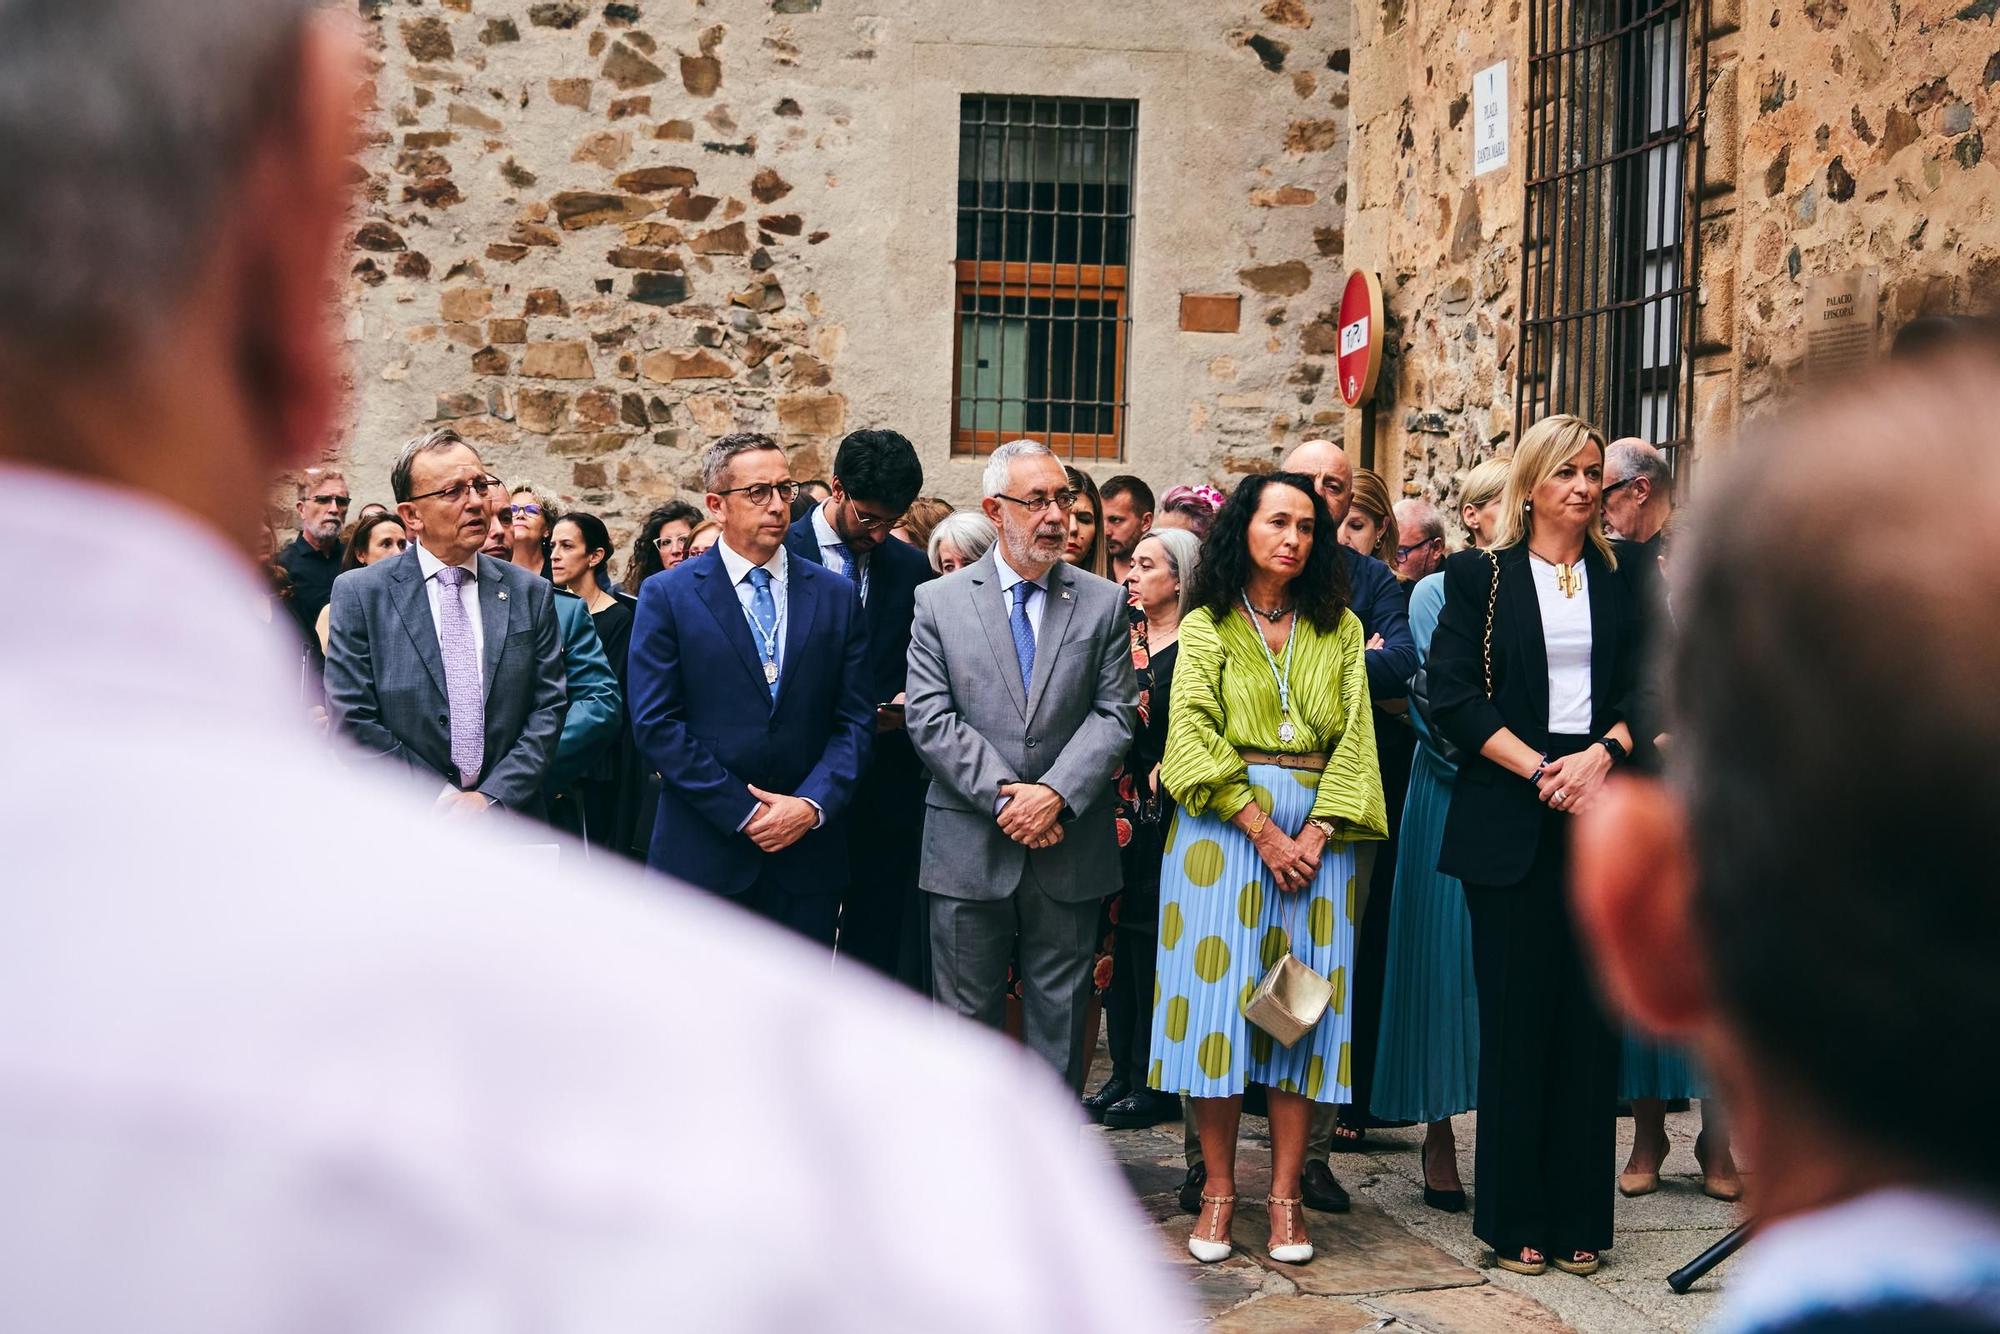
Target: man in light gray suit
443	659
1021	701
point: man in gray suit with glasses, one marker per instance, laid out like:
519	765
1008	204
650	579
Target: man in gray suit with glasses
444	660
1021	701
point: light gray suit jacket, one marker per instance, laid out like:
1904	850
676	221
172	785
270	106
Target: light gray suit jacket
385	676
975	729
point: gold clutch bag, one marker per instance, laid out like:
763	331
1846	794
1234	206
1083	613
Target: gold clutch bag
1290	1000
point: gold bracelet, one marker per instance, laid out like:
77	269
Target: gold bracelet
1258	828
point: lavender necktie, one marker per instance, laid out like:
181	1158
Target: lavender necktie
463	691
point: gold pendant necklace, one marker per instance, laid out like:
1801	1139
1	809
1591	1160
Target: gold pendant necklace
1567	579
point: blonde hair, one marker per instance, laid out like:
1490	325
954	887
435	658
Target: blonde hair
1545	447
1482	486
1371	497
920	520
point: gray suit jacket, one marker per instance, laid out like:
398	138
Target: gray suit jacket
385	676
974	729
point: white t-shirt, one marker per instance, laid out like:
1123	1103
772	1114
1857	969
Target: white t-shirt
1566	633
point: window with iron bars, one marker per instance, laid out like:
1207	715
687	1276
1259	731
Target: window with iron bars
1610	255
1044	244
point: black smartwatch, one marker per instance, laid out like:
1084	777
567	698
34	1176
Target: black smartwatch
1614	749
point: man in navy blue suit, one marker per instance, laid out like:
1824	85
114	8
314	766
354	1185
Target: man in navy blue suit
876	475
751	697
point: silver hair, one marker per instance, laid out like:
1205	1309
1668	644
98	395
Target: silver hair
1183	554
993	481
1633	457
968	532
1417	520
430	442
124	124
715	460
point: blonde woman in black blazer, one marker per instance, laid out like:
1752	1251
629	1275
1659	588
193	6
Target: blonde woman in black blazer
1542	707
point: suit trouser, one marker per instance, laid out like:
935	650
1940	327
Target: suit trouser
885	823
1319	1135
810	915
972	942
1548	1067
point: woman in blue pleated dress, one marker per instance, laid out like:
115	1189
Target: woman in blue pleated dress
1427	1058
1271	757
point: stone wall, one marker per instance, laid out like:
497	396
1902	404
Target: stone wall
1840	135
597	236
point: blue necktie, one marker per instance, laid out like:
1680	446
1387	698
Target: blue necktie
1024	634
856	572
764	612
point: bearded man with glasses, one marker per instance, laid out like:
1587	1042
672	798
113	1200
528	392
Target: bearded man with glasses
312	559
443	660
750	696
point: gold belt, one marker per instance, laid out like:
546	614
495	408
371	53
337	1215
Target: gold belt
1312	763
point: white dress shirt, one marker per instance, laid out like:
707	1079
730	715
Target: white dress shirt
468	597
444	1099
1009	576
1894	1247
1566	634
739	568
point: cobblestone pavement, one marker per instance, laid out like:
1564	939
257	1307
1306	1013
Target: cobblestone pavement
1393	1264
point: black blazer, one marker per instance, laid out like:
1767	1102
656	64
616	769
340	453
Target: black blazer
1495	822
895	568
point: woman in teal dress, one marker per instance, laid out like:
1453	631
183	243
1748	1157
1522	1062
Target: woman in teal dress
1427	1058
1271	757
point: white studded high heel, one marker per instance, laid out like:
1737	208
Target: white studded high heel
1202	1249
1291	1253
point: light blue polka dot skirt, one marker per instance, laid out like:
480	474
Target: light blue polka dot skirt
1223	924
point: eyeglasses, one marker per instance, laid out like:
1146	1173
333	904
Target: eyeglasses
518	510
874	523
664	543
1064	500
1615	485
455	493
760	493
1403	553
338	502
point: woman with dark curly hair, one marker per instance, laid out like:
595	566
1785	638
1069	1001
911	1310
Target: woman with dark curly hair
1084	546
1271	755
662	543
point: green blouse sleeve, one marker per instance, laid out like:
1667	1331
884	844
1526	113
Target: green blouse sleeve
1201	768
1350	791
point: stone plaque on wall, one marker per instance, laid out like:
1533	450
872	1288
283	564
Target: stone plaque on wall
1840	323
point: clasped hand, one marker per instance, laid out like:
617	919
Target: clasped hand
1032	815
1293	861
1572	782
780	821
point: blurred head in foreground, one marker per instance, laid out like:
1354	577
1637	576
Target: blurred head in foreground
1811	896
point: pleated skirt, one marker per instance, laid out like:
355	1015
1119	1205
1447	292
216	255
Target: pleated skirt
1427	1057
1223	924
1650	1070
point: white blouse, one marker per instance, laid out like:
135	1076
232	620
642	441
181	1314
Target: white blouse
1566	632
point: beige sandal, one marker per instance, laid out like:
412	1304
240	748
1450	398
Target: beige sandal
1203	1249
1298	1252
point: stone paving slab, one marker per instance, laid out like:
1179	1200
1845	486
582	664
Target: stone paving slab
1481	1310
1284	1315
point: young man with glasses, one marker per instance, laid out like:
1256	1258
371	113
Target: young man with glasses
445	660
876	474
750	697
312	558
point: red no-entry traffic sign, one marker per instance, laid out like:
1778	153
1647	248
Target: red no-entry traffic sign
1360	337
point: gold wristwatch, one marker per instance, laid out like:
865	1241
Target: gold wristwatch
1324	825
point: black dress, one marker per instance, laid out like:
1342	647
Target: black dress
1144	814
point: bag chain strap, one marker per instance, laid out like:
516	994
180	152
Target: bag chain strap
1492	600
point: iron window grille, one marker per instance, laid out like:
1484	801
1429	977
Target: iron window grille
1611	253
1044	244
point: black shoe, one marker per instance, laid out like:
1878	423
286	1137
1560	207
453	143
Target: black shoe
1190	1193
1141	1108
1112	1090
1320	1191
1450	1201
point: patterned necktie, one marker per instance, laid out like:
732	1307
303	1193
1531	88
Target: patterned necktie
464	693
1024	634
856	572
764	612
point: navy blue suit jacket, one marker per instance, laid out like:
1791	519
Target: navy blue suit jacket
703	716
895	568
1382	608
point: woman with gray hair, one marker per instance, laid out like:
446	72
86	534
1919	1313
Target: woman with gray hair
959	539
1159	587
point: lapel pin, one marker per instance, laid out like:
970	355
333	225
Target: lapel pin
1065	595
503	595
